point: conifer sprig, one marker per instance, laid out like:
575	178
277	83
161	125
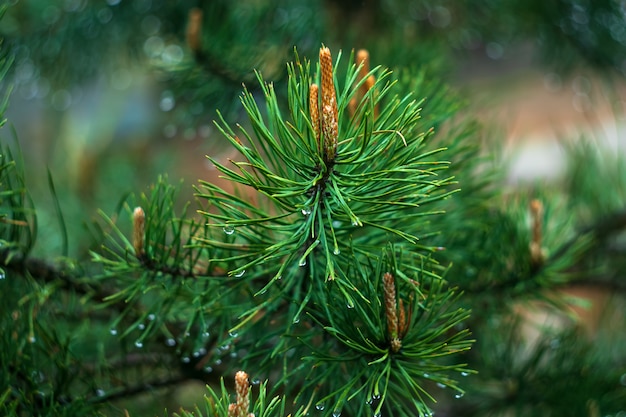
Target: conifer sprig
382	370
331	186
219	404
160	274
318	197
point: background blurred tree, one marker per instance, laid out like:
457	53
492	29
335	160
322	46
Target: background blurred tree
65	355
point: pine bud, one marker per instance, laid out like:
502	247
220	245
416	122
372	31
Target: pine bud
232	410
537	254
389	288
402	322
242	389
363	59
139	229
330	123
314	110
194	29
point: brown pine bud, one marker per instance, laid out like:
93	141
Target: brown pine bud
367	82
330	123
363	59
314	110
389	288
537	254
329	129
242	389
232	410
536	212
402	323
194	29
139	230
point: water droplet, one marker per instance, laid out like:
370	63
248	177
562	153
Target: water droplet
208	369
306	211
196	354
356	222
622	379
61	100
494	50
336	413
376	397
440	385
139	344
141	326
228	229
555	343
172	54
218	362
38	376
100	392
151	317
186	359
336	251
2	275
233	333
426	375
240	273
369	401
319	406
205	335
302	262
32	339
167	102
233	354
113	331
170	342
464	373
459	395
378	414
256	381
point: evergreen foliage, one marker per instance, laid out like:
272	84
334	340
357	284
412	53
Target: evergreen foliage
366	258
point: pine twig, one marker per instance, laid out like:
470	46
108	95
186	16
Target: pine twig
47	272
139	389
601	229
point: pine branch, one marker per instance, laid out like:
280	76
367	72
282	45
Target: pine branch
599	231
147	386
44	271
